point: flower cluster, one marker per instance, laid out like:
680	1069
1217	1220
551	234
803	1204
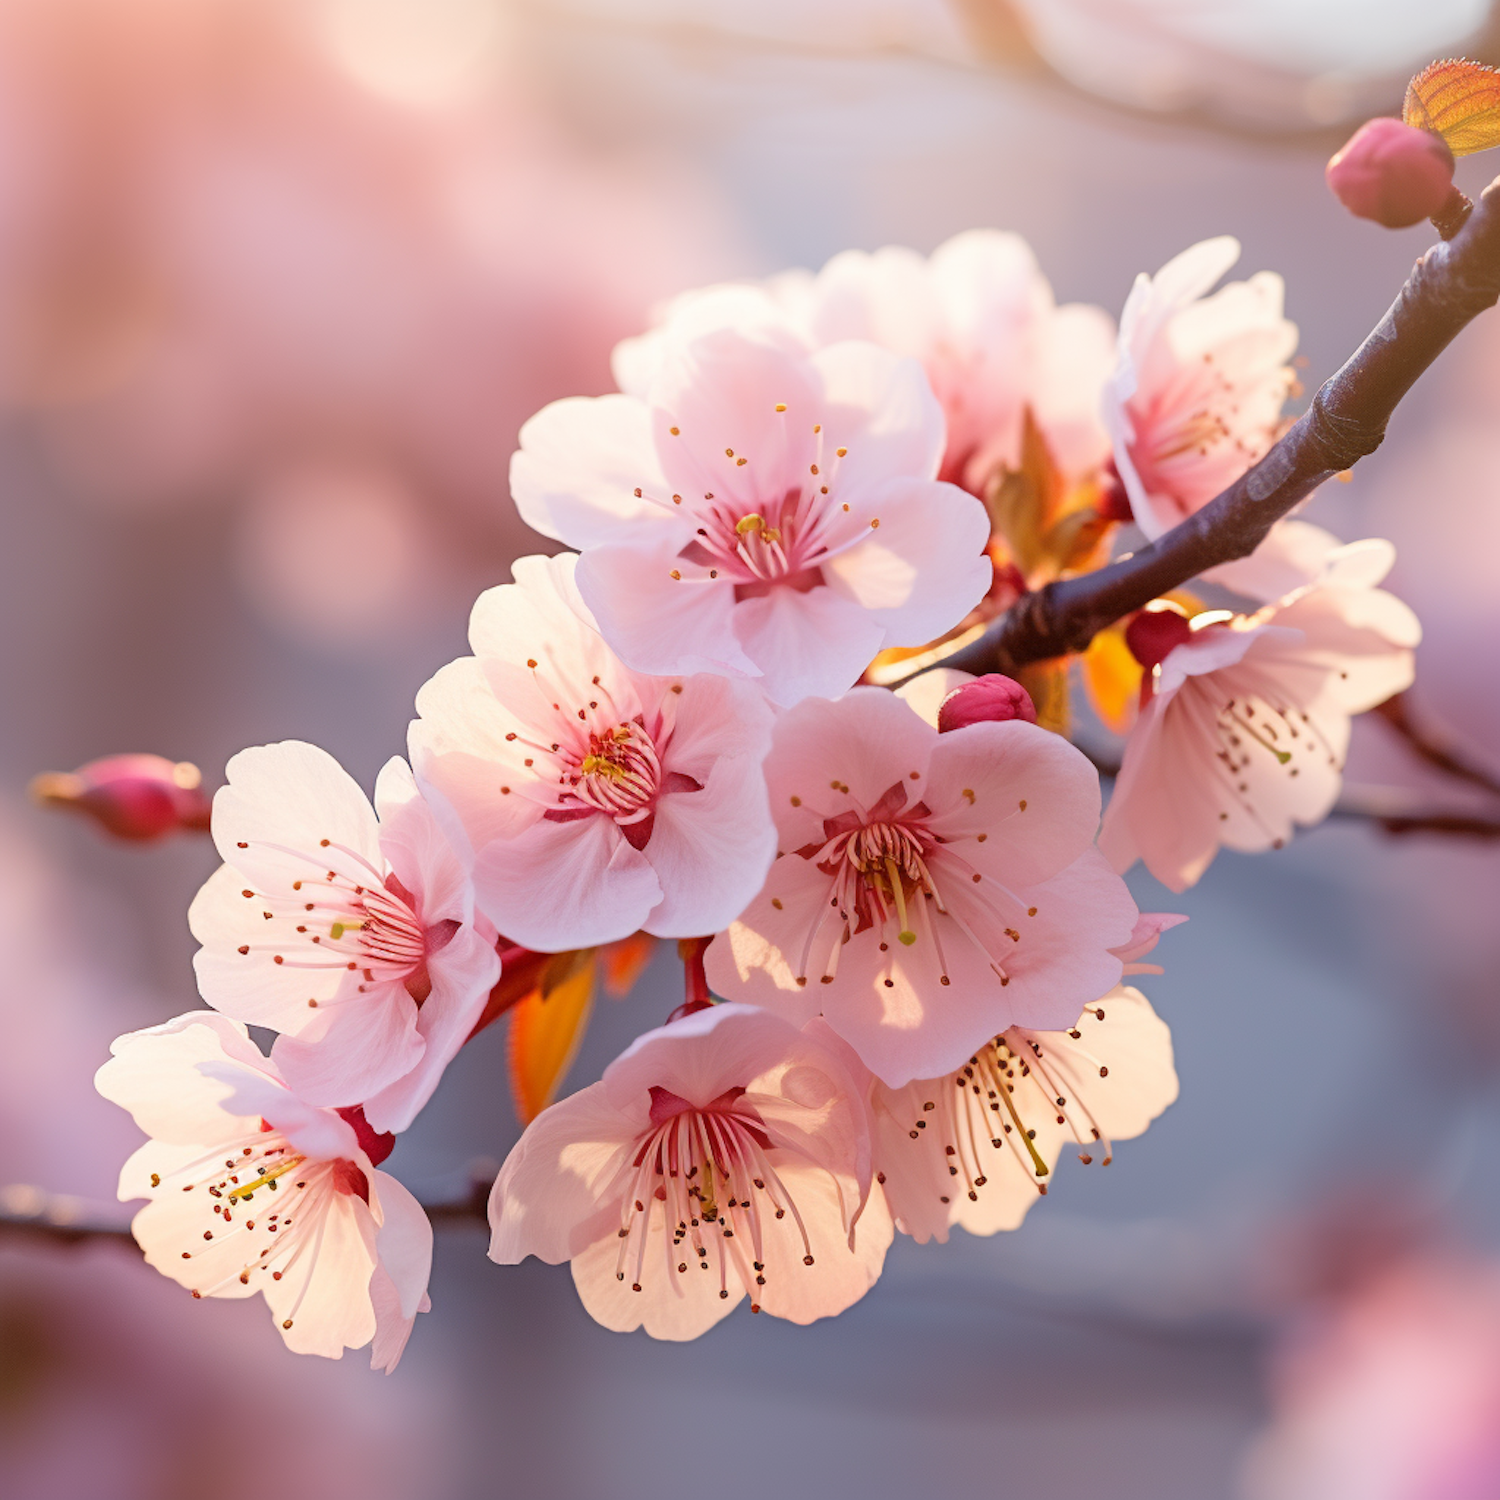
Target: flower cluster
916	929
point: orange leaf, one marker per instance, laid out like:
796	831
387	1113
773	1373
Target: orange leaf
1460	101
624	961
1047	682
545	1030
1112	679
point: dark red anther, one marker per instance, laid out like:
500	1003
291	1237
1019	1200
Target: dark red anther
991	699
135	797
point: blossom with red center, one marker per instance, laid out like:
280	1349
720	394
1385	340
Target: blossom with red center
724	1155
761	510
252	1190
353	935
977	1146
598	800
977	314
1198	391
1244	725
932	890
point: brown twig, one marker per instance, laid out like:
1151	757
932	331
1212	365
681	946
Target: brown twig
1394	809
28	1214
1436	746
1451	285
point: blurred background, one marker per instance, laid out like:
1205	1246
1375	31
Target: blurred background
279	280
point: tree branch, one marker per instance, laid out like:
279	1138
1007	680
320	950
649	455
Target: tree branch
1438	747
1451	285
28	1214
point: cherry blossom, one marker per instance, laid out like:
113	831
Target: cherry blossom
932	891
723	1155
1245	723
977	1146
979	316
597	800
355	936
1197	393
252	1190
762	510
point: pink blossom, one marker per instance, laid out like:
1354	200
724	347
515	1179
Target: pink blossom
1244	727
933	889
979	316
252	1190
1197	394
1392	1393
355	936
762	511
598	800
977	1146
751	1137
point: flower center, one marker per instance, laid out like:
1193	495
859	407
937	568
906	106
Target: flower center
996	1102
355	917
263	1203
707	1172
619	773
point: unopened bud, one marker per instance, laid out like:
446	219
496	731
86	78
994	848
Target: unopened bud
991	699
136	797
1392	173
1155	633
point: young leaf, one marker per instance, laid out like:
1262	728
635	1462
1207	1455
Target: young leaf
545	1030
1460	101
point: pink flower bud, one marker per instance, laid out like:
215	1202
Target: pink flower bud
988	699
1154	634
1392	173
137	797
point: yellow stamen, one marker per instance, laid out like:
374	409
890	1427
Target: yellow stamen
246	1188
898	894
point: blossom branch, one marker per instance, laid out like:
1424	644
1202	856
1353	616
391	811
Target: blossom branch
29	1215
1451	285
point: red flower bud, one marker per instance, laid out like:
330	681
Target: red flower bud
1392	173
137	797
989	699
1154	634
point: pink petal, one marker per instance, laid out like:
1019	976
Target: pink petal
154	1074
550	1197
565	885
463	972
1034	796
578	466
711	849
353	1048
659	624
881	408
804	645
923	567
